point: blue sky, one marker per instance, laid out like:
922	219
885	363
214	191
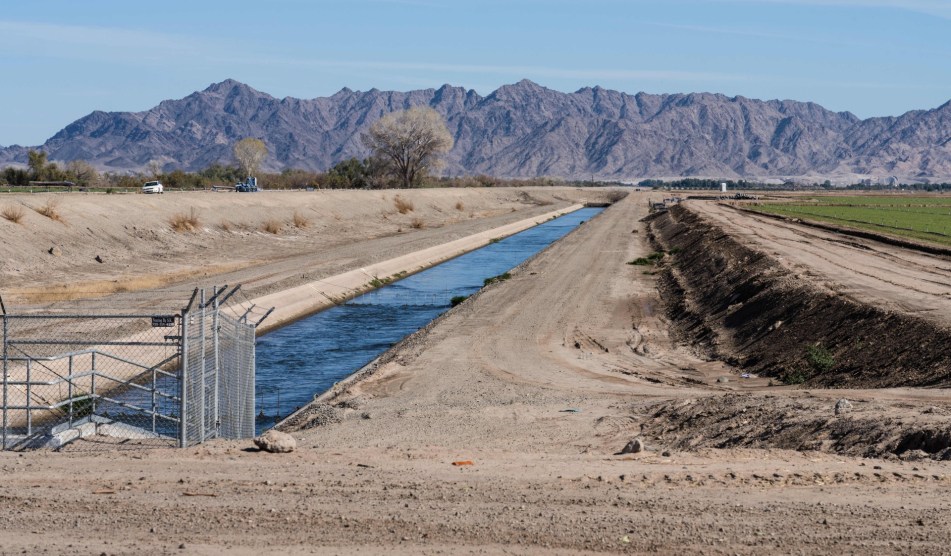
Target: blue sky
61	59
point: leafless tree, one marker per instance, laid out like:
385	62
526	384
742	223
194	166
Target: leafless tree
410	141
250	153
82	171
153	168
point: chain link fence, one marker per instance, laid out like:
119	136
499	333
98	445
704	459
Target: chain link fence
154	379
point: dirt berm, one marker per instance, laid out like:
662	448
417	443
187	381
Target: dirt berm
740	305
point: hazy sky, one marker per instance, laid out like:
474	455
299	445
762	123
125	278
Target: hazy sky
61	59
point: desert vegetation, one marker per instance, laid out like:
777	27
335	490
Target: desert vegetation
50	209
272	226
402	205
370	173
13	213
185	221
299	220
409	143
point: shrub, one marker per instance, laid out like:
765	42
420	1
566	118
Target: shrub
13	213
819	358
272	226
402	205
225	225
417	223
300	221
185	221
651	259
50	210
794	377
500	278
458	299
460	206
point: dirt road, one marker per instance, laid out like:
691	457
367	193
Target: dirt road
538	382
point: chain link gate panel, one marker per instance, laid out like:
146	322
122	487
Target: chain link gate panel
161	380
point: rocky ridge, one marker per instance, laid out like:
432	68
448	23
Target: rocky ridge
523	130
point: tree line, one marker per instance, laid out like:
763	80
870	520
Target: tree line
707	184
405	147
352	173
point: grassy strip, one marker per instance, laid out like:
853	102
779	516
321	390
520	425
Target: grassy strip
927	226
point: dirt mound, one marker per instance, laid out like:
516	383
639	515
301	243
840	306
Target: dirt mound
869	429
740	305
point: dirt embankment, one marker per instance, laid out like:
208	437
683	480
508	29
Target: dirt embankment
741	305
91	252
867	427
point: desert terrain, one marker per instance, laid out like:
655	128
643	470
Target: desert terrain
497	429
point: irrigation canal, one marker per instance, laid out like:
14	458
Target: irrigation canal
307	357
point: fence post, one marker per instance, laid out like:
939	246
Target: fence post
29	414
5	380
183	385
69	390
202	373
92	386
217	376
154	404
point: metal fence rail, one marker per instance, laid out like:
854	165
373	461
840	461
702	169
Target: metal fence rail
163	379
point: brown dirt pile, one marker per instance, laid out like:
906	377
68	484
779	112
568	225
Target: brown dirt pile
871	428
741	305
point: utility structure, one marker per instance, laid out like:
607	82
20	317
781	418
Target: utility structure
165	379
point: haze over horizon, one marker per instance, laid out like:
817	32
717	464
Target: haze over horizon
868	57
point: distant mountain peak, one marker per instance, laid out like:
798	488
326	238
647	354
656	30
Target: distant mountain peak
225	85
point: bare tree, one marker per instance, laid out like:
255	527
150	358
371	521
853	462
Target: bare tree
153	168
410	141
83	172
250	153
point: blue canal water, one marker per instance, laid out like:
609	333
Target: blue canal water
307	357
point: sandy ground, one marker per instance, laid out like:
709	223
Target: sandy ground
538	382
48	264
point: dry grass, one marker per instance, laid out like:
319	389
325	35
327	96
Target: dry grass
185	221
460	206
13	213
417	223
300	221
272	226
101	288
402	205
226	226
51	210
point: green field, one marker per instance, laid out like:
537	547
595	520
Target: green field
920	218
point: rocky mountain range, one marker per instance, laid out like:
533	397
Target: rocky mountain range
523	130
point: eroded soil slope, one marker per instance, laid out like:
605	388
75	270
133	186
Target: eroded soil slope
745	302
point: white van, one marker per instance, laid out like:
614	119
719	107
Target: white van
153	187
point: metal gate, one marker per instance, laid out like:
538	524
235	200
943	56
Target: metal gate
153	379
